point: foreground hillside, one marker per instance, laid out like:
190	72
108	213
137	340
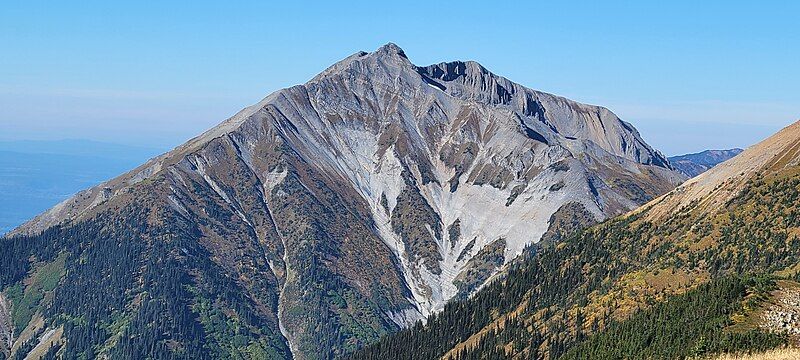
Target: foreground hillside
740	217
324	217
779	354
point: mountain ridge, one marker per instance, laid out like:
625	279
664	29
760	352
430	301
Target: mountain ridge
236	120
694	164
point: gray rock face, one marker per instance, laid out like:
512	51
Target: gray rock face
783	316
6	326
432	178
695	164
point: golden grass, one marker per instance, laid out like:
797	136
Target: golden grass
779	354
791	270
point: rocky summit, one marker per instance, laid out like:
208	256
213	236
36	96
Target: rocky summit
321	218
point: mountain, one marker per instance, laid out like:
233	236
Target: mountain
323	217
689	274
35	175
695	164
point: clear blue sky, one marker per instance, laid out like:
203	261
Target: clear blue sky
689	75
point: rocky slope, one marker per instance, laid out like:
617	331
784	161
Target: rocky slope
336	211
740	217
783	314
692	165
6	326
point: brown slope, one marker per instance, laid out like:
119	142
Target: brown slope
717	186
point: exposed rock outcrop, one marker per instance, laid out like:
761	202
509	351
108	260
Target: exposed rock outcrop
784	315
6	326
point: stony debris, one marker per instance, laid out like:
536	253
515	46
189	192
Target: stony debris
784	315
6	326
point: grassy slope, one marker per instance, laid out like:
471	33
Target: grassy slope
777	354
26	297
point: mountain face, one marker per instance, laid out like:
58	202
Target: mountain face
649	282
692	165
322	218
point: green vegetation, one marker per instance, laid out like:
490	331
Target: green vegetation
14	294
228	336
144	280
140	280
340	287
480	267
128	294
413	219
26	300
692	324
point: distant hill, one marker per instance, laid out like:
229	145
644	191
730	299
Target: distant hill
695	164
36	175
81	147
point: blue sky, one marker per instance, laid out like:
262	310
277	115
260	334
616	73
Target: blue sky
689	75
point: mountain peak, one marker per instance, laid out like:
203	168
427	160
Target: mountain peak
397	187
390	49
389	54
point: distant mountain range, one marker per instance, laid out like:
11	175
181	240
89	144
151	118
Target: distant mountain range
81	147
36	175
324	217
695	164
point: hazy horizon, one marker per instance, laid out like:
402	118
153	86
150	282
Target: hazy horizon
688	76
